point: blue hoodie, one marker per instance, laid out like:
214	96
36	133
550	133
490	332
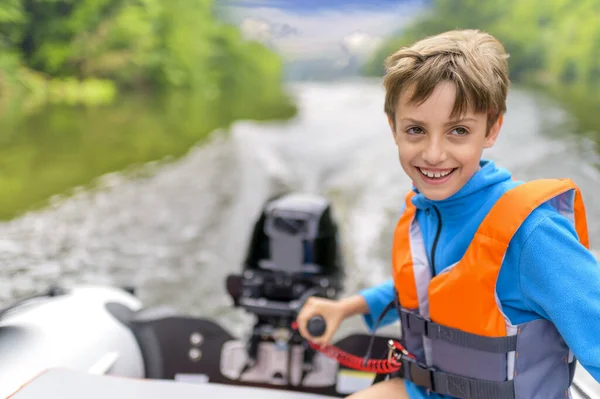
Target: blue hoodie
546	272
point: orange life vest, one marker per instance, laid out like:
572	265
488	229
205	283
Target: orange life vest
466	347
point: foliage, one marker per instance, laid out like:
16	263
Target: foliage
129	44
550	41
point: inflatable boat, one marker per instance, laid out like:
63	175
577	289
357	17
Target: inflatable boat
100	341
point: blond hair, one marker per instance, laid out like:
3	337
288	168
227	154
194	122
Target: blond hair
474	61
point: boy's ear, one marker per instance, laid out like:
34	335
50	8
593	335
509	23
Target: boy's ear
492	135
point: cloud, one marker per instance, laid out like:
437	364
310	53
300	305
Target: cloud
360	44
283	30
254	29
332	34
263	31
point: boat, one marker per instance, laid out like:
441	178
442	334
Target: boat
98	341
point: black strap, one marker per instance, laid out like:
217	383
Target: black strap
387	308
417	324
455	385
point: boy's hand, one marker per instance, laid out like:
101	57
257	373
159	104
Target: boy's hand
332	312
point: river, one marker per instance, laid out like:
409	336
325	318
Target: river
175	229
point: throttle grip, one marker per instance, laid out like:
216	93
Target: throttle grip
316	326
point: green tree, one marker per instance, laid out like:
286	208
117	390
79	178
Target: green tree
556	42
132	44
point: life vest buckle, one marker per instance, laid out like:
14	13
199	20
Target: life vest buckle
420	374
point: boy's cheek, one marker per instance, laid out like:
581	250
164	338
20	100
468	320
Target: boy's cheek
405	154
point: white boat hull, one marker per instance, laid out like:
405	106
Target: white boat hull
74	331
80	343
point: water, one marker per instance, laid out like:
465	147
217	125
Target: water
176	229
48	151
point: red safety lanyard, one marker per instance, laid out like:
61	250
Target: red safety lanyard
379	366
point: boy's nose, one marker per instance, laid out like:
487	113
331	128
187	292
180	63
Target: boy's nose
434	152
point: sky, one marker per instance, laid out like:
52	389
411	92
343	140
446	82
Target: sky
309	6
320	29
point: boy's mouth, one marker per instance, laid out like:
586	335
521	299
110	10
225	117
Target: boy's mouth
436	174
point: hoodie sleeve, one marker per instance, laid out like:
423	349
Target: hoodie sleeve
377	299
560	281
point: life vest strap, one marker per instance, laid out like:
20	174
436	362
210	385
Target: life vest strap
417	324
455	385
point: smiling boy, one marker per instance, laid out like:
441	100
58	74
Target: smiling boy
496	289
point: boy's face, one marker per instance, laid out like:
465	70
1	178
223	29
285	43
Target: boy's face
440	154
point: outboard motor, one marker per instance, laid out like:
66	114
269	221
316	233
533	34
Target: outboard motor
294	253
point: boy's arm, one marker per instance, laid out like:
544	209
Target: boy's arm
560	280
377	299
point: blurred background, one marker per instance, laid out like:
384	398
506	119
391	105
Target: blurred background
139	138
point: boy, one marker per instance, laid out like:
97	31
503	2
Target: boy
495	286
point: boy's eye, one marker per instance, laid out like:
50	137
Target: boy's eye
414	130
460	131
